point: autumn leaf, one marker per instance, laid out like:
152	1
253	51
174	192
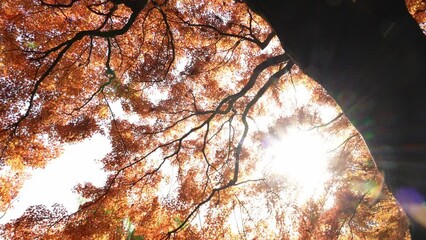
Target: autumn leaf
192	96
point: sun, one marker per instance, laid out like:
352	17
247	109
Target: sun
301	158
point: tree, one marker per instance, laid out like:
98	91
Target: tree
201	85
370	57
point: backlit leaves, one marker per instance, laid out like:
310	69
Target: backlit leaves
188	92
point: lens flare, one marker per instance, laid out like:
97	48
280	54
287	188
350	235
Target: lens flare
301	158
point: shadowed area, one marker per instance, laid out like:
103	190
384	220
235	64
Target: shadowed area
370	56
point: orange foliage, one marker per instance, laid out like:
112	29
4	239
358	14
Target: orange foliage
197	74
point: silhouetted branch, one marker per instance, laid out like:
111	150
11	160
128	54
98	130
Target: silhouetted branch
248	107
327	123
344	142
65	46
110	74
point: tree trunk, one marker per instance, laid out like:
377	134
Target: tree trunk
370	56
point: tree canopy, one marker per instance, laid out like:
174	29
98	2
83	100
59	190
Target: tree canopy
204	87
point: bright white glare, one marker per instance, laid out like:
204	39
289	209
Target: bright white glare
300	157
55	182
303	94
155	95
119	112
